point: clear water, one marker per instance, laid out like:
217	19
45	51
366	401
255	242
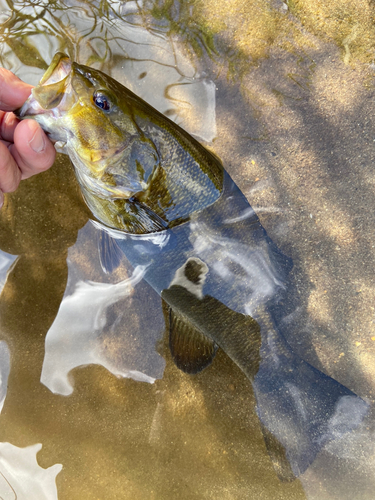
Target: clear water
283	94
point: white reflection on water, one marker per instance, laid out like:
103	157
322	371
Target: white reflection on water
257	278
4	371
22	478
6	261
97	323
346	467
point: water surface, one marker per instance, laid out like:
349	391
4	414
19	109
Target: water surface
283	94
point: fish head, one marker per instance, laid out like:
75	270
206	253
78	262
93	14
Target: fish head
138	171
79	106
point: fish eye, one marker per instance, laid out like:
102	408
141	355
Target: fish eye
102	101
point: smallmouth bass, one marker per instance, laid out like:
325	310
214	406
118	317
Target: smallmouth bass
137	174
170	206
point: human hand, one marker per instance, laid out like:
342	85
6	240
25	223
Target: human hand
25	150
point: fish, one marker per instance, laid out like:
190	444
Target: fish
166	202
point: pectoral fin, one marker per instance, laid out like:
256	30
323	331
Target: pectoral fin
191	350
138	218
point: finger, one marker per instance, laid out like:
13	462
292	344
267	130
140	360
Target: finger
32	149
8	123
13	91
10	174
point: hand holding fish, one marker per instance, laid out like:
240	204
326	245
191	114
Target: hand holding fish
25	149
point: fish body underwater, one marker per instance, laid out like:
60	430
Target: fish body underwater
168	204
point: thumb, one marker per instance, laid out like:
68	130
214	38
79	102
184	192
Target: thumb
13	91
32	149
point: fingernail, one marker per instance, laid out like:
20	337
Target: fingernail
38	142
1	199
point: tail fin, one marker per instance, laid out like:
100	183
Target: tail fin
302	408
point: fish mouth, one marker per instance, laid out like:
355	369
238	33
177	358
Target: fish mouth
49	94
58	70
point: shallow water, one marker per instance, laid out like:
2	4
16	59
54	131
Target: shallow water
285	94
